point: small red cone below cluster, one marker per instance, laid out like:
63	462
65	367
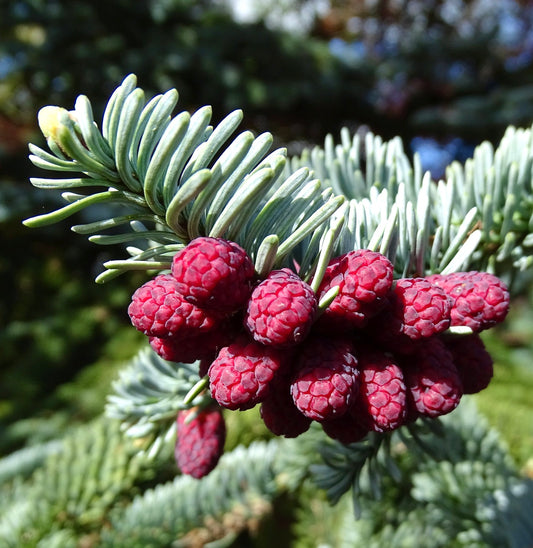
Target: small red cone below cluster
201	434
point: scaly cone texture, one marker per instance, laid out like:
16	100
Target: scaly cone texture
281	309
241	374
479	300
327	379
364	279
378	356
383	394
201	434
415	310
203	346
213	273
158	309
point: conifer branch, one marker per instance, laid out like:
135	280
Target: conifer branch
241	487
173	178
465	492
478	217
184	178
149	393
23	462
94	468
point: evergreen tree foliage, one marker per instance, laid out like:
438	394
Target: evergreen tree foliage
165	179
241	489
165	169
73	486
463	491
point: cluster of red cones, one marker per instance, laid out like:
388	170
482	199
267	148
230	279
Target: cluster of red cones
379	355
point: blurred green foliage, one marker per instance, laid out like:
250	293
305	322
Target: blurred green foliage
56	320
507	404
441	67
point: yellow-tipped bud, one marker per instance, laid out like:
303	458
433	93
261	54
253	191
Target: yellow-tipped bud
58	125
49	119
